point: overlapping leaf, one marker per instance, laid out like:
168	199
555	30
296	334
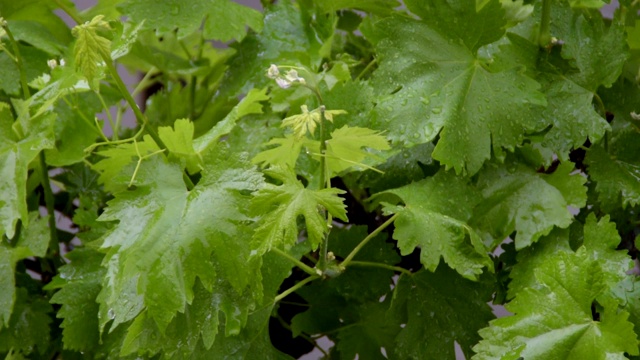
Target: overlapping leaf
438	309
19	145
430	82
167	236
519	199
555	321
435	217
222	20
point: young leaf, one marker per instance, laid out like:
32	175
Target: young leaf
285	153
91	48
555	320
435	218
284	203
344	149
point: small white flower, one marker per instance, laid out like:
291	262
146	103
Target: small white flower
292	76
283	83
62	62
273	72
635	116
52	63
3	22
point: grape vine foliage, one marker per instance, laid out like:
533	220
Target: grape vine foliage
336	179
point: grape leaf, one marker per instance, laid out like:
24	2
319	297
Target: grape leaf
28	328
224	20
435	218
344	149
33	241
284	203
36	34
450	92
283	40
519	199
554	321
438	309
378	7
599	238
19	145
366	333
285	153
91	48
79	283
166	236
616	174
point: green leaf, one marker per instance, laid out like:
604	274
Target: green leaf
224	20
285	39
283	204
91	48
166	237
600	240
285	153
378	7
518	199
79	283
36	34
554	320
366	333
28	326
17	149
616	174
435	218
597	51
117	158
450	92
179	142
438	309
344	149
249	105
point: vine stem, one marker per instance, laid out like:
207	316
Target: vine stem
304	267
322	261
364	241
140	117
544	36
295	287
73	15
18	59
380	265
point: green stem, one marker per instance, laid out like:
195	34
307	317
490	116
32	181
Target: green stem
380	265
364	241
366	69
306	268
141	119
322	261
49	203
544	37
109	117
16	52
72	14
295	287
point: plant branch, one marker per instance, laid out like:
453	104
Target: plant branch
364	241
544	36
380	265
304	267
322	258
295	287
366	69
72	14
49	203
18	59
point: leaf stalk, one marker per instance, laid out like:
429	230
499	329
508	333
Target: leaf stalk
364	241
